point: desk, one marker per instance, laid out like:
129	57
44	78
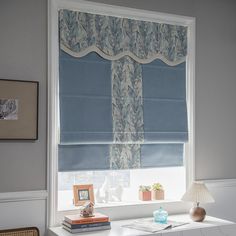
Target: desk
210	227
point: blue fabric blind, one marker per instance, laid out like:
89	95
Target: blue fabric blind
86	102
86	127
97	156
124	106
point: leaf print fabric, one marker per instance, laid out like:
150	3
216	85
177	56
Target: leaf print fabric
114	37
127	114
127	105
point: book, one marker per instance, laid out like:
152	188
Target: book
149	225
75	231
80	226
77	219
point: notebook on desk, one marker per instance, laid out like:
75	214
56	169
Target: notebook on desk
149	225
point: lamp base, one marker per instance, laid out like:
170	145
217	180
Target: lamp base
197	214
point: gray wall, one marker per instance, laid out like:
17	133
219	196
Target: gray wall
23	55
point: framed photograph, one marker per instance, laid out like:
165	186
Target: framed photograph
82	194
18	110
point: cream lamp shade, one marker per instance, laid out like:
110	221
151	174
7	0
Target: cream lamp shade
198	193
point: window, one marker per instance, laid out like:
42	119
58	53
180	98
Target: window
119	122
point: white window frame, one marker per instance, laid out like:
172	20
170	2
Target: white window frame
141	210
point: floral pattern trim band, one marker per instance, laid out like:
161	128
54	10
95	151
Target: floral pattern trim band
127	114
114	37
127	101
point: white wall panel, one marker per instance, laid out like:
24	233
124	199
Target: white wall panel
23	209
224	193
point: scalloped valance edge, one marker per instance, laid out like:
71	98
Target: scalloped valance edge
120	55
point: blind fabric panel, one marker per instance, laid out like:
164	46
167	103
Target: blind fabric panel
164	102
145	105
162	155
85	99
83	157
97	157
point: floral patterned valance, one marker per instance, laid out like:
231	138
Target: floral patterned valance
113	37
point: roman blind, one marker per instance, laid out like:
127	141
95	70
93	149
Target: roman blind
122	93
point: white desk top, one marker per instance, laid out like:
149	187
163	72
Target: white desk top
210	227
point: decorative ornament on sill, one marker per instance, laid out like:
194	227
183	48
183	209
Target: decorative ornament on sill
106	193
87	210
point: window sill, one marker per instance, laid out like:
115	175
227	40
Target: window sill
100	206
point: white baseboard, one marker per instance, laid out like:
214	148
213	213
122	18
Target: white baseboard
221	183
23	196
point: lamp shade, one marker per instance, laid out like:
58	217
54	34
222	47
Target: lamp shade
198	193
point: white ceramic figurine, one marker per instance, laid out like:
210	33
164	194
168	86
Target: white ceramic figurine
87	209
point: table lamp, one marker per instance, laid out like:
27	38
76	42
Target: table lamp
197	193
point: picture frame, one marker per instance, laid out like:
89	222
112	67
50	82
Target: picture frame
83	193
18	109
